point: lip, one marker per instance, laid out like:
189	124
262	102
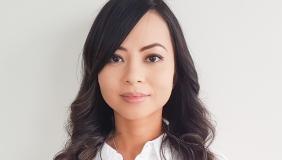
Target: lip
134	97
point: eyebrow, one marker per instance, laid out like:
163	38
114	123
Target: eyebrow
145	47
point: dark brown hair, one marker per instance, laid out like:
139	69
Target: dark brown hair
190	131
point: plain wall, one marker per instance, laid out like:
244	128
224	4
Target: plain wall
236	47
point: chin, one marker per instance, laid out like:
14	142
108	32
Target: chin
140	114
132	117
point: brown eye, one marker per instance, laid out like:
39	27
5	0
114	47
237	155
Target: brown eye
154	58
115	59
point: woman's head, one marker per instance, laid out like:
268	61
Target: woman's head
138	46
143	63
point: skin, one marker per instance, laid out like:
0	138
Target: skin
139	71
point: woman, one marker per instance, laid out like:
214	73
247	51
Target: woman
139	94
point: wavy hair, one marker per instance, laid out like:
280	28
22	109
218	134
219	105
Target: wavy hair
190	131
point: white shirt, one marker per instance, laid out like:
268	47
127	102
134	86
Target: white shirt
150	151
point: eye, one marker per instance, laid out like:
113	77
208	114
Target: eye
115	59
154	58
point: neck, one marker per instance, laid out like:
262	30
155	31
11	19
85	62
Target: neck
131	135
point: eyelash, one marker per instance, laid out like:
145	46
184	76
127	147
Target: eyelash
150	56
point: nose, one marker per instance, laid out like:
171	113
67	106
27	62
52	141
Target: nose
134	73
132	82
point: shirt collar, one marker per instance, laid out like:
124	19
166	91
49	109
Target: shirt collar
149	149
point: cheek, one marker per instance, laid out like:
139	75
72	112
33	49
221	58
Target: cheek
162	83
107	85
107	78
163	75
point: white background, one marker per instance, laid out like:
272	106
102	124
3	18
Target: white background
236	46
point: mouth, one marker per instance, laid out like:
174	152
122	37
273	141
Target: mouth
134	97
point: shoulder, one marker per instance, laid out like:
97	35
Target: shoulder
172	154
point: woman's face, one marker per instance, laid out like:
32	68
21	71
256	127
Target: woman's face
144	63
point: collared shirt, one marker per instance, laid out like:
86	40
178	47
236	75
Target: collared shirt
150	151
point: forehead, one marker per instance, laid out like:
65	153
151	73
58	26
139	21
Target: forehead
151	28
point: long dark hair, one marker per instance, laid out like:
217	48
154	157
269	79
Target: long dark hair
190	131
